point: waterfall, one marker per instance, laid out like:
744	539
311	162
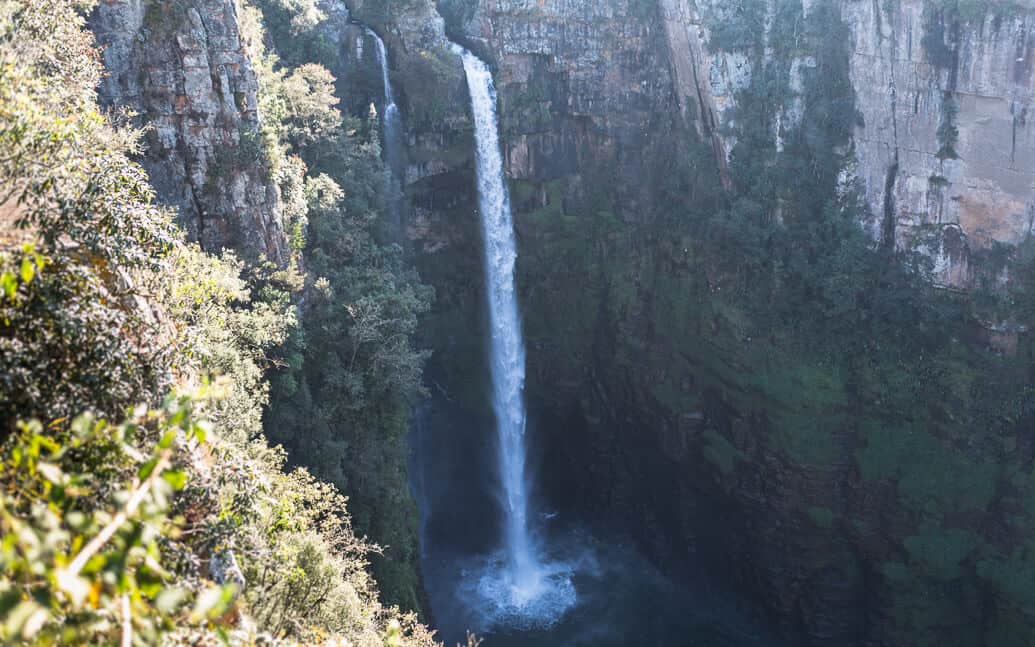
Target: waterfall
507	361
392	136
521	582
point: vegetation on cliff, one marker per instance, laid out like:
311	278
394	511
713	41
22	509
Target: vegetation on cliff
139	497
764	334
341	403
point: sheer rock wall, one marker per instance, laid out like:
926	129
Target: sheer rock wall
183	68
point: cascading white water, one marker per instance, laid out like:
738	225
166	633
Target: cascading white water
392	130
391	116
507	360
520	584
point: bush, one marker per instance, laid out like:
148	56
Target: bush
84	512
142	530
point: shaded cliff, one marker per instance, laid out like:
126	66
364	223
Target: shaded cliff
733	353
183	68
943	91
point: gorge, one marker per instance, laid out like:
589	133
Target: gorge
563	586
609	322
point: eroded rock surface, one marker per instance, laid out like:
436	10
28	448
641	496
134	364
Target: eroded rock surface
182	66
917	69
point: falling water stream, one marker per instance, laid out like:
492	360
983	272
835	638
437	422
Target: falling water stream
392	136
518	583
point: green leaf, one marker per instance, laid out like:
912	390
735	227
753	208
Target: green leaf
28	270
167	439
8	600
176	478
147	468
96	564
9	284
200	430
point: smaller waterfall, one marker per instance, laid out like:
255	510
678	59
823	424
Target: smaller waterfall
392	135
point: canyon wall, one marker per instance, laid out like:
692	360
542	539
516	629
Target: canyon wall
943	143
183	69
854	511
920	73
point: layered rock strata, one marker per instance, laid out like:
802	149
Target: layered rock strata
183	69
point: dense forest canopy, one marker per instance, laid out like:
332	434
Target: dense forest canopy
139	490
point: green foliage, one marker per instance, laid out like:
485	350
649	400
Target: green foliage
822	517
940	551
973	11
84	513
342	399
221	330
310	116
948	133
302	23
69	332
129	532
722	452
305	569
342	407
432	75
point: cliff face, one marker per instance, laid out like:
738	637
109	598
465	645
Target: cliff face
943	143
585	89
183	68
918	73
658	405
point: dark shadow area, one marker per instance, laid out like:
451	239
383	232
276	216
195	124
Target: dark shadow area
622	599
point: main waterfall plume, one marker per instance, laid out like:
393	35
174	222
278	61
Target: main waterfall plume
507	361
518	583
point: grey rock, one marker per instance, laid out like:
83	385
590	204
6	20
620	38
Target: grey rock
184	69
224	569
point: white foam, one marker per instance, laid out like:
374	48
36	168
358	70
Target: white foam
501	598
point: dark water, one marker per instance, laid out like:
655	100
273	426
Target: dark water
620	598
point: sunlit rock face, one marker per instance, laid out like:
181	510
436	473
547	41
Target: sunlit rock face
183	67
916	70
912	69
